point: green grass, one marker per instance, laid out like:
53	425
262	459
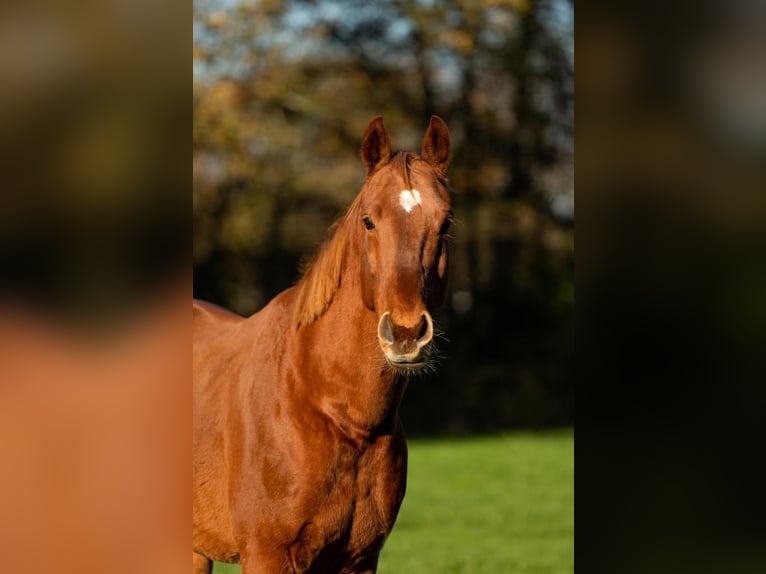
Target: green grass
484	505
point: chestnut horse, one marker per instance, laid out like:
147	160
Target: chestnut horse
299	456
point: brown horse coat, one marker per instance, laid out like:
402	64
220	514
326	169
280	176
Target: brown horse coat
299	456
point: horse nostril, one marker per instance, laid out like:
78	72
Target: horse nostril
423	327
426	331
385	330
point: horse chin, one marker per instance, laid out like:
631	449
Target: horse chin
408	367
403	366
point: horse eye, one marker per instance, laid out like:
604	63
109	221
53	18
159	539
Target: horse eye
444	229
368	222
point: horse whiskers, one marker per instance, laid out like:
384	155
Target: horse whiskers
430	367
442	337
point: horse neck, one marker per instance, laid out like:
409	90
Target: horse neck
348	379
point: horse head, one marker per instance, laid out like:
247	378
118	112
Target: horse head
404	213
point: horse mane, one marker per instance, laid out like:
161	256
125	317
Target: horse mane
321	275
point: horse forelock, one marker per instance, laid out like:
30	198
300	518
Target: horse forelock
409	162
402	161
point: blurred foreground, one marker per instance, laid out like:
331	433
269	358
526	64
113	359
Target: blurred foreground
95	406
94	439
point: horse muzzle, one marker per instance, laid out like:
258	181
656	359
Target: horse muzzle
405	346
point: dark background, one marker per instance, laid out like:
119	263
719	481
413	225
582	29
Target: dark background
282	93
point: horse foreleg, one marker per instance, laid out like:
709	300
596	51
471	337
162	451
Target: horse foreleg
369	566
200	564
267	563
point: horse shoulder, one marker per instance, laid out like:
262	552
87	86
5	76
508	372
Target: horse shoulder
228	369
214	332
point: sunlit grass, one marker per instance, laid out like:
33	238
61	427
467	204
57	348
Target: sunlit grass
484	505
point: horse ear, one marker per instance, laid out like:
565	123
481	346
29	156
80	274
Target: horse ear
376	145
435	149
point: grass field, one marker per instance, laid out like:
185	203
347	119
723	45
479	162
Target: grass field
484	505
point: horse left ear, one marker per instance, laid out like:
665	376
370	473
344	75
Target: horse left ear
376	145
435	148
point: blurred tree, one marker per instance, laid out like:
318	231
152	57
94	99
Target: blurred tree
282	93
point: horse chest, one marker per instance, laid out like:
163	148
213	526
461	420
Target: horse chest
350	519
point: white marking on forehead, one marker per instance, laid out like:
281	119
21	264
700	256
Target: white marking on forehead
409	199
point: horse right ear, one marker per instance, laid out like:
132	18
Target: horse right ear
376	146
436	144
